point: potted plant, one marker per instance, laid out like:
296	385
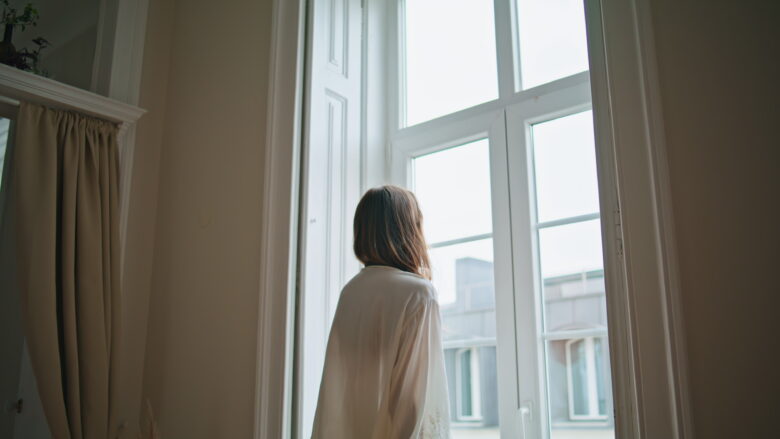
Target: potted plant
11	18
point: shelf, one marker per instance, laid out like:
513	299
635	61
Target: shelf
18	85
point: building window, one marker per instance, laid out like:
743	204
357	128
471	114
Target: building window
5	127
467	378
482	107
584	370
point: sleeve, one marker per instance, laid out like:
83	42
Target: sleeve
414	406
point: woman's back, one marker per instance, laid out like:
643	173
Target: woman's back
384	373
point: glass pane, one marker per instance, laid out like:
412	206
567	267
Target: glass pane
453	188
572	277
571	249
463	276
552	40
565	167
450	57
572	413
575	301
5	125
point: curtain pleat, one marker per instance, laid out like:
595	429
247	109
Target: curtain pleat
65	183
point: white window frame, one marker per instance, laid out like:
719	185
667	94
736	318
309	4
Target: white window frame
522	412
476	395
650	386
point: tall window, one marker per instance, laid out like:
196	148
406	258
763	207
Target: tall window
467	385
483	108
5	126
585	384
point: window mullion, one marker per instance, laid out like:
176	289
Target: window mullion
505	48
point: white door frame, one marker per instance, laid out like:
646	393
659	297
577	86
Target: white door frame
651	384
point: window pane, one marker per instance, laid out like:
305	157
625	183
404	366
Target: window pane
463	276
571	249
575	412
453	188
5	125
565	167
575	302
552	40
450	57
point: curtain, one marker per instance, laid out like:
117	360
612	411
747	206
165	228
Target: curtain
64	199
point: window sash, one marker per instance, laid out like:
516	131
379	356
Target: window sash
520	336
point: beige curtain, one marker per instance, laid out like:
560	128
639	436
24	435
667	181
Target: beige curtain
64	184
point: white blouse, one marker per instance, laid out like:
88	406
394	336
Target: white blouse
384	368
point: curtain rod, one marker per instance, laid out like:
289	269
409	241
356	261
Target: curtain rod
8	101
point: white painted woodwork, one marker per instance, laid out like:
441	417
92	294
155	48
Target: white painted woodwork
650	387
331	185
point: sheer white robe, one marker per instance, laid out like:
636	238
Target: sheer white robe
384	367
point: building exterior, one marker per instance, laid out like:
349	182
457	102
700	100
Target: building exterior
577	359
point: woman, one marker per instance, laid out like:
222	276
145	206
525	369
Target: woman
384	370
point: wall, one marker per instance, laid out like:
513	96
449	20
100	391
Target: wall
719	72
205	81
142	215
71	28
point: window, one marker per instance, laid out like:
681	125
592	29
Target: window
5	126
584	373
552	40
467	389
482	107
507	182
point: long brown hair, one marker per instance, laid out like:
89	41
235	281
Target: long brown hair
388	231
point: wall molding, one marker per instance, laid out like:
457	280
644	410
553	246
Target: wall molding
275	333
649	358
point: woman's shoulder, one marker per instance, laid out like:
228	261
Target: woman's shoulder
392	279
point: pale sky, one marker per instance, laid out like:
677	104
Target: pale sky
451	51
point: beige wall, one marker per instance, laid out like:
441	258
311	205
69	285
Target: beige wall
194	231
142	216
719	72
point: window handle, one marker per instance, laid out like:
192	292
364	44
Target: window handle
525	417
15	406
